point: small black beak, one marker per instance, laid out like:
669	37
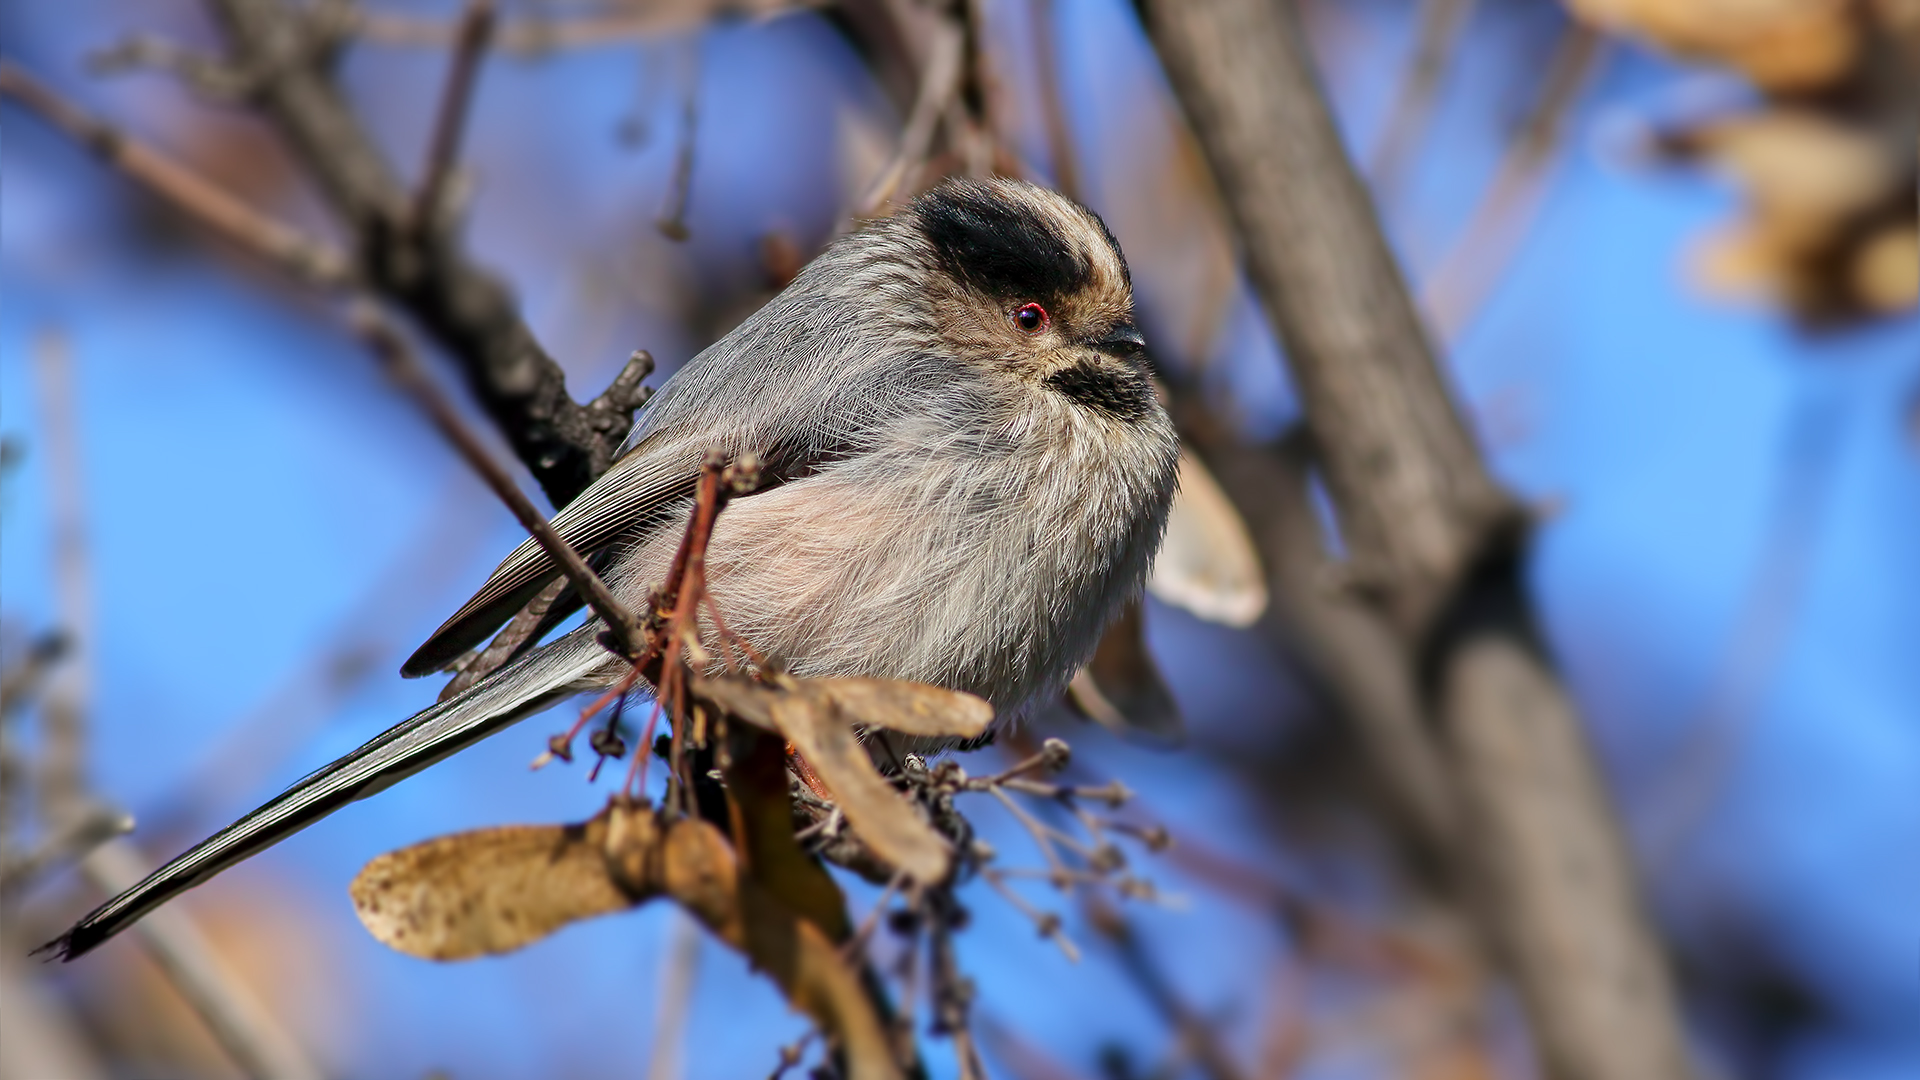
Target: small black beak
1124	342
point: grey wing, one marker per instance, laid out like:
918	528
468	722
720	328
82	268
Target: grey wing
640	489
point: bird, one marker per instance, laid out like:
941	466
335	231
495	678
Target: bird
966	473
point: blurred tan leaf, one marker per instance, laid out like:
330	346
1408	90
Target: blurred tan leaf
488	891
1207	564
1800	170
1779	44
1886	269
1814	185
1121	688
1824	162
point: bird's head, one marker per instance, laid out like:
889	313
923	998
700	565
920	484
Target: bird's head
1031	285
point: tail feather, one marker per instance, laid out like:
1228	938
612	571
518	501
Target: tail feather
510	695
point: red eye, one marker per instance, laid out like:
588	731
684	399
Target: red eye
1032	318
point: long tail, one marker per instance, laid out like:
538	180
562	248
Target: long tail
536	681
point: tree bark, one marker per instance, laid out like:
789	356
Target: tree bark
285	51
1433	542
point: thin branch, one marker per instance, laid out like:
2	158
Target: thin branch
23	680
70	843
1044	38
60	777
1474	264
1144	971
676	995
443	149
179	186
1048	923
233	1014
465	307
206	75
1435	39
672	220
851	950
538	35
939	82
247	1031
397	357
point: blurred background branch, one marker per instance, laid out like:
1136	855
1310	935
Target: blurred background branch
1434	544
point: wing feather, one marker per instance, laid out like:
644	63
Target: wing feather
635	493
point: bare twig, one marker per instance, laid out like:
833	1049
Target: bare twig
672	220
61	773
1143	970
234	1016
245	1030
1044	24
1474	263
398	358
1695	775
464	307
443	148
676	994
185	190
1435	38
21	681
69	843
1048	923
854	946
538	35
939	82
205	74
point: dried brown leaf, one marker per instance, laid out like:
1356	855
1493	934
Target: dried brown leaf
1885	273
738	697
761	804
876	812
489	891
495	890
697	868
1782	45
907	707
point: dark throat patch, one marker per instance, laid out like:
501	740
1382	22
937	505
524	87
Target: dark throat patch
1117	391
